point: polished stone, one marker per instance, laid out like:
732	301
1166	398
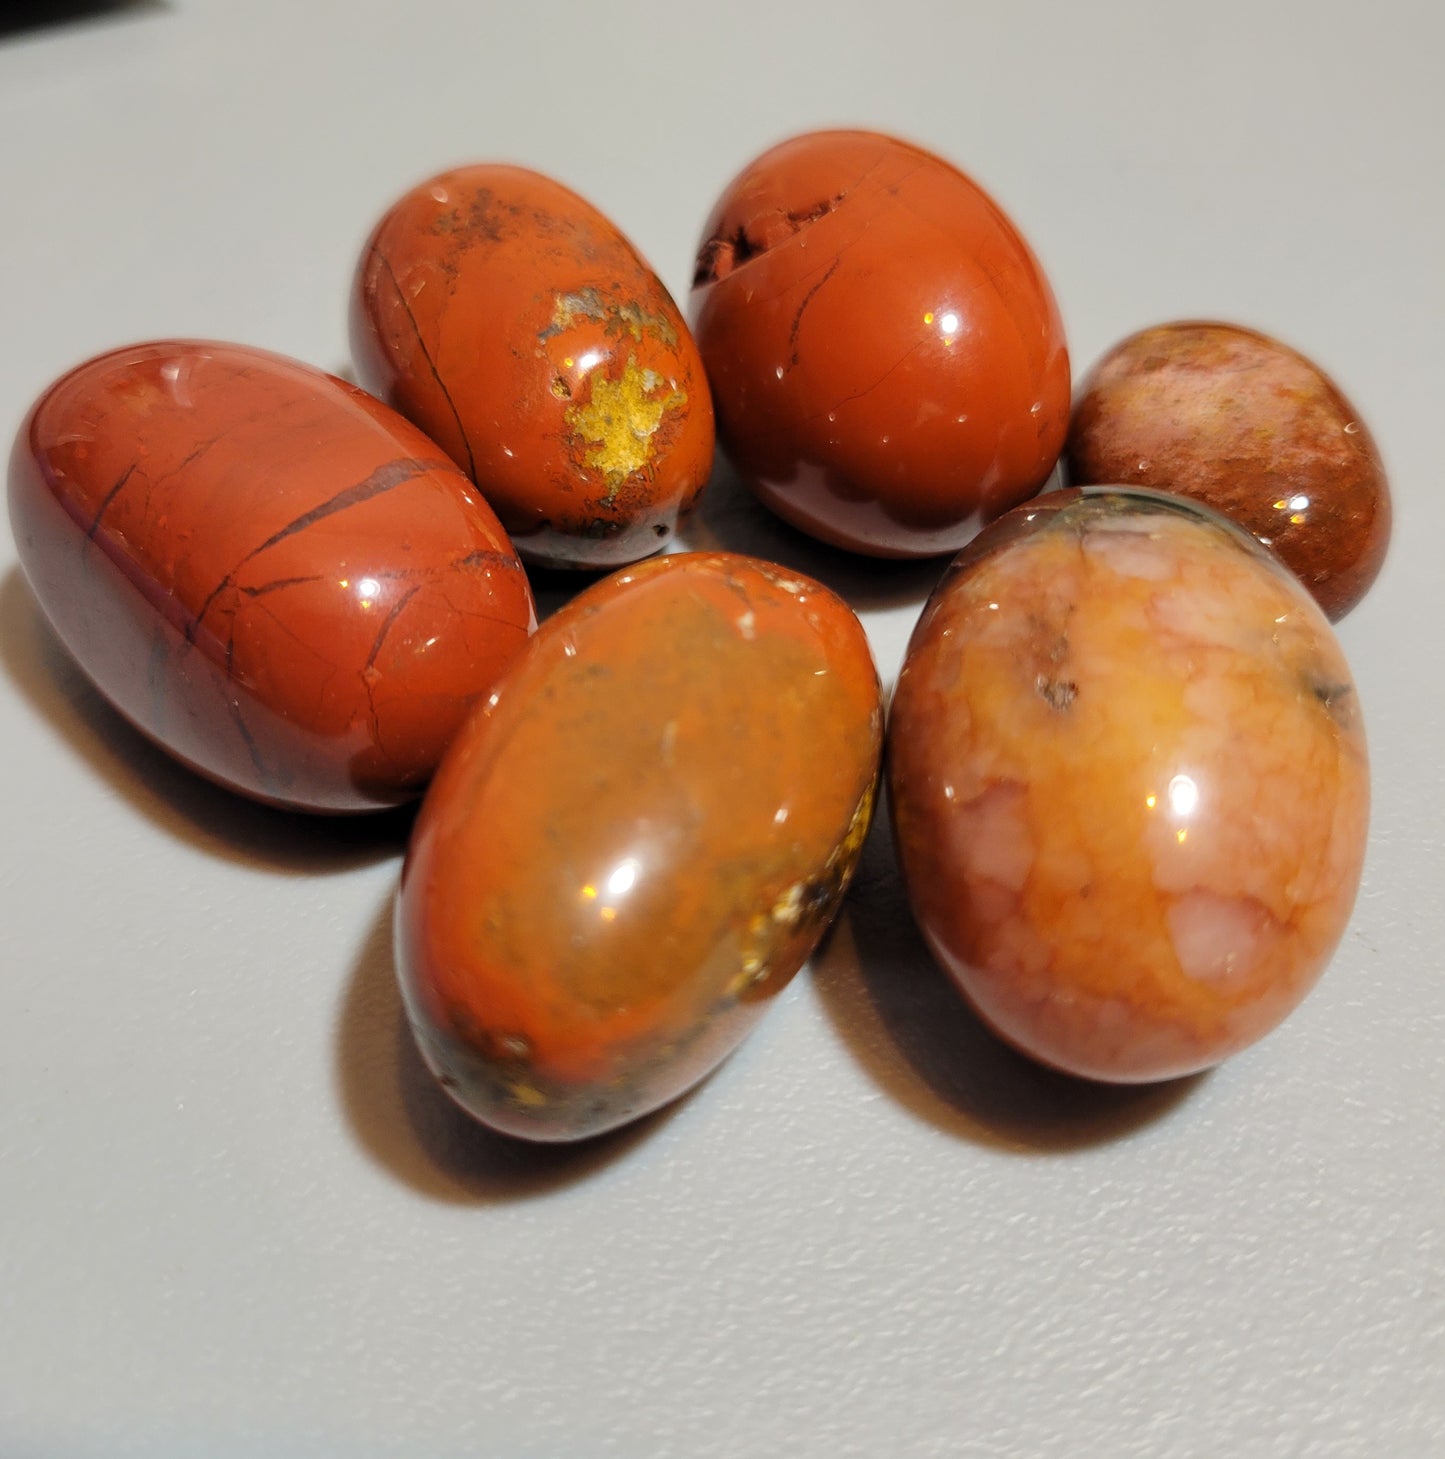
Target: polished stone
636	842
887	360
519	328
1251	428
1129	783
272	575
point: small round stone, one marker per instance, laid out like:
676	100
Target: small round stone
1129	783
1252	428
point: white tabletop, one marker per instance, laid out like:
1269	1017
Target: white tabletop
237	1218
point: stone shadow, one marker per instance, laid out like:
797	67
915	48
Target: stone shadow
900	1015
176	799
403	1120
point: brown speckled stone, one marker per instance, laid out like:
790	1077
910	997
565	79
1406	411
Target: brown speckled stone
1251	428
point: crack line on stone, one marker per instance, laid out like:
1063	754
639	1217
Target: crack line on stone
383	479
109	497
798	317
280	583
867	389
391	618
430	363
239	719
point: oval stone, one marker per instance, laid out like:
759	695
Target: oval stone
1255	430
636	841
269	573
1129	784
518	327
886	356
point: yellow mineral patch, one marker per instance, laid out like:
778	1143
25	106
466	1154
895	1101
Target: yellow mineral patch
851	846
620	419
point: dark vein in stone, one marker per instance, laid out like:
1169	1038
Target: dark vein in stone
482	557
383	479
110	496
430	363
279	584
391	618
867	389
798	317
239	720
187	460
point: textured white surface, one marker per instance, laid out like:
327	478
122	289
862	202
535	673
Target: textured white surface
235	1218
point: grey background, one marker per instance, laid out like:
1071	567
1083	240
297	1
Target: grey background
235	1217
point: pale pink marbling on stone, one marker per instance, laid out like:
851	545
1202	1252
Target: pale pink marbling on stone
1129	782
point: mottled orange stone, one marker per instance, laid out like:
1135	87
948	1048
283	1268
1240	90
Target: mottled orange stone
268	572
636	841
1252	428
887	360
1129	784
514	323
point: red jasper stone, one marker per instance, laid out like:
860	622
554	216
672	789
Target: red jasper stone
519	328
887	360
268	572
636	840
1255	430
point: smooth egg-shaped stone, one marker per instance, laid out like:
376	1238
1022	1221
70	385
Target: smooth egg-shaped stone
519	328
1129	784
887	360
1252	428
636	841
276	578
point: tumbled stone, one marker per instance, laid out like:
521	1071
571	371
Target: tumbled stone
1129	784
276	578
636	841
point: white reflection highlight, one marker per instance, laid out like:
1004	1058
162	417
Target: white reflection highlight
177	375
1183	795
622	877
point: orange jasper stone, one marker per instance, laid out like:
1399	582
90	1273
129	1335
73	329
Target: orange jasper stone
636	841
1129	784
514	323
268	572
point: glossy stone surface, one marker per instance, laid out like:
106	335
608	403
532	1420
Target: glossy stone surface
636	842
887	360
514	323
1252	428
1128	779
268	572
